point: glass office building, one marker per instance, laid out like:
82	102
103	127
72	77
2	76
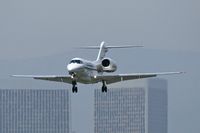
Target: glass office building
132	107
34	111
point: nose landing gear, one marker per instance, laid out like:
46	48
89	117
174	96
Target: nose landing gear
74	83
74	87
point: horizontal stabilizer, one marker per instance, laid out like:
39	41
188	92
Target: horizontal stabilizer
110	47
104	48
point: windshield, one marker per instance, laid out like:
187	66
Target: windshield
76	61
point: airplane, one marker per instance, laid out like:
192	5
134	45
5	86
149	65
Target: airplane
90	72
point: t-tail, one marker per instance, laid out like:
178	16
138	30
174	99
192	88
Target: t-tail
103	49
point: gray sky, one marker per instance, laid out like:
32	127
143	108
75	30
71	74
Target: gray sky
43	27
37	36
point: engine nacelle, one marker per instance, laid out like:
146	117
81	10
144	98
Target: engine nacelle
108	65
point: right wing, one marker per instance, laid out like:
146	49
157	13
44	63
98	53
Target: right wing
57	78
109	79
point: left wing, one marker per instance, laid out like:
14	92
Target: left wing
109	79
61	78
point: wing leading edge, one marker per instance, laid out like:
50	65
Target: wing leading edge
109	79
56	78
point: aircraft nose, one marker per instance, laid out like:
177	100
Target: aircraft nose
74	67
69	67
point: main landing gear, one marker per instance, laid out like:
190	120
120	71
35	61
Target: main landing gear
104	87
74	87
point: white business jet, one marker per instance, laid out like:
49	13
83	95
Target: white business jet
89	72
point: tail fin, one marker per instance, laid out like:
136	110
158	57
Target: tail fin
103	49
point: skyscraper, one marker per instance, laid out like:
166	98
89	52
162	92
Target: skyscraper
34	111
138	106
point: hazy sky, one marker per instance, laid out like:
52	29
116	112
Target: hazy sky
37	36
30	28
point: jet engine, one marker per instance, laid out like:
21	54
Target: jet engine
108	65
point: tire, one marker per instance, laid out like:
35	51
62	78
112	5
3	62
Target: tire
76	89
104	89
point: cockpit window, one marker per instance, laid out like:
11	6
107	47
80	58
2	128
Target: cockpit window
76	61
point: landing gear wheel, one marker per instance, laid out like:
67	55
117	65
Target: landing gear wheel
74	87
104	87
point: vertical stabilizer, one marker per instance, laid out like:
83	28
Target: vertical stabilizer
102	51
